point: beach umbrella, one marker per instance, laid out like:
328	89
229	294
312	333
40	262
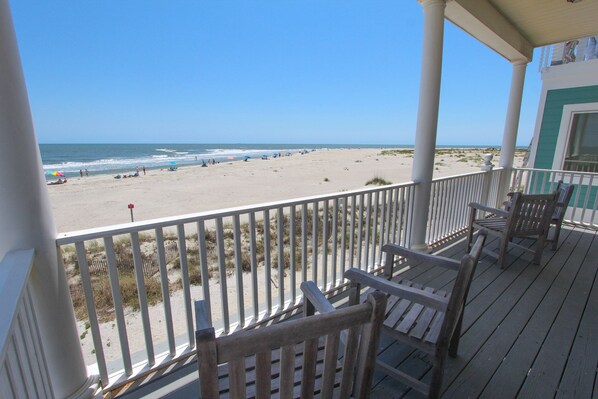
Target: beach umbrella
60	174
230	157
172	163
246	157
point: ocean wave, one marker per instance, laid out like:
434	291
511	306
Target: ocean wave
165	149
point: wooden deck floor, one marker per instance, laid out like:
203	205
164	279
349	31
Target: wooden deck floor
530	331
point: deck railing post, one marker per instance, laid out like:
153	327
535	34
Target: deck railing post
487	167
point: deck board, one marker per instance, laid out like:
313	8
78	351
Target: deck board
529	330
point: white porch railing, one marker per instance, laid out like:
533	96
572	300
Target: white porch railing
23	369
449	199
584	202
254	258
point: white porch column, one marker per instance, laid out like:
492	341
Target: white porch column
427	117
509	139
26	222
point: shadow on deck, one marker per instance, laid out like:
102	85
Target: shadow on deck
528	331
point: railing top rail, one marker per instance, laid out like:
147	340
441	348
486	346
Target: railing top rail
100	232
461	175
556	171
14	274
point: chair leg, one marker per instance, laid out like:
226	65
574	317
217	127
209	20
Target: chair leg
454	342
504	245
539	249
470	229
437	374
555	238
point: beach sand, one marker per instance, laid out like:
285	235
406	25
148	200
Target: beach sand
97	201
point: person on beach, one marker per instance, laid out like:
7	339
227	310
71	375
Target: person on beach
86	173
144	170
81	172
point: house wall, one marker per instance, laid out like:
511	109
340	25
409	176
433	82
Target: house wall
551	119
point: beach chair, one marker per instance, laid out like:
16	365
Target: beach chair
425	318
295	358
528	216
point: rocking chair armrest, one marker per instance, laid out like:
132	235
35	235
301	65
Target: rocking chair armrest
313	294
435	260
402	291
496	211
202	319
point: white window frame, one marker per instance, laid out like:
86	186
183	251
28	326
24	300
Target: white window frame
569	111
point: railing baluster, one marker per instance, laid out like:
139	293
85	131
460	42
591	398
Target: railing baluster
143	308
239	269
402	222
325	246
334	240
352	231
435	217
575	198
91	311
222	274
292	266
376	234
182	243
254	283
304	242
280	245
586	198
121	325
368	223
343	237
314	243
387	221
393	224
203	264
410	215
267	261
360	233
165	291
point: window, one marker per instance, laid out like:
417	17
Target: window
582	147
577	142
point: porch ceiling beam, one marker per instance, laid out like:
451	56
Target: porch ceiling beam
484	22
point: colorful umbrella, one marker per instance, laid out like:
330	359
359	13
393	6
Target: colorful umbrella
230	157
57	174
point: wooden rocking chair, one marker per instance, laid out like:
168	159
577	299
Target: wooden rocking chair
564	192
296	358
528	216
422	317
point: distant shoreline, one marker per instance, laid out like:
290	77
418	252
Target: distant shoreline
110	159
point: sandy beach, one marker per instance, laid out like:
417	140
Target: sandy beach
101	200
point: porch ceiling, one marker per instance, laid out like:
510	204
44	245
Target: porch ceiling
513	28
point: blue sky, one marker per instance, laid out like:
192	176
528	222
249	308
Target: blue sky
291	71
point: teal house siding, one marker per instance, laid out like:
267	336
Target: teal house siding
549	131
551	119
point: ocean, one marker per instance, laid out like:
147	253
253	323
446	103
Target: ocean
125	158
